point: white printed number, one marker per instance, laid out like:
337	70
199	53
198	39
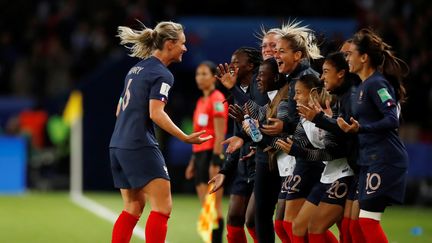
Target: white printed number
127	96
337	190
373	182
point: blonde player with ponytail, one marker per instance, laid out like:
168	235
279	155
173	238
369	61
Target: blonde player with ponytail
137	164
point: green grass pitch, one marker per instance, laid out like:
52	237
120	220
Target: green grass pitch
52	217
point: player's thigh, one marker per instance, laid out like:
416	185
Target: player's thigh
301	221
292	208
324	217
158	192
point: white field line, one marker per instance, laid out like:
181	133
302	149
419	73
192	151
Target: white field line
102	212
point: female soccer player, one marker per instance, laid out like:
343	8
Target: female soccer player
211	115
241	165
293	50
383	159
137	164
342	84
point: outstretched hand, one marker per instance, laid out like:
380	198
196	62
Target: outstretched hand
351	128
234	143
227	76
217	182
194	138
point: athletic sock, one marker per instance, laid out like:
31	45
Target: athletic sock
280	231
330	237
317	238
374	230
288	229
218	233
298	239
156	227
236	234
344	231
252	233
123	227
356	232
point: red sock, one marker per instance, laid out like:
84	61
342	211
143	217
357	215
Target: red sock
123	227
356	232
280	231
344	231
298	239
252	233
330	237
236	234
156	227
374	231
288	229
317	238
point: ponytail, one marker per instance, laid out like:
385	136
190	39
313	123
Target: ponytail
382	58
144	42
395	69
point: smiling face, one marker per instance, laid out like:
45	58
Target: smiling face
240	60
204	77
178	47
301	93
286	57
265	78
268	45
331	77
355	60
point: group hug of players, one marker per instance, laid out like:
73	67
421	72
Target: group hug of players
330	151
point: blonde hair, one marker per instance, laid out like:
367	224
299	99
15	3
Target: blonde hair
263	32
301	38
145	41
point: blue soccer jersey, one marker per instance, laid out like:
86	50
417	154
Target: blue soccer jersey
148	79
377	113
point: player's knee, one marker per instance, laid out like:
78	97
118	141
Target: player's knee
250	220
316	227
165	207
134	208
235	219
298	227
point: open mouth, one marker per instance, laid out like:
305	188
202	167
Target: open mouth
279	63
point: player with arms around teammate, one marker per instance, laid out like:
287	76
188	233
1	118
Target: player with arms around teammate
137	164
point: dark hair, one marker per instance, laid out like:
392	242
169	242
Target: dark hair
310	81
349	41
211	65
279	77
337	60
383	59
253	54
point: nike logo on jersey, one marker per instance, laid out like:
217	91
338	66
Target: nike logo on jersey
370	192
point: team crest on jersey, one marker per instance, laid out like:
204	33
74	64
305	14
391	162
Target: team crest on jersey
164	89
218	106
